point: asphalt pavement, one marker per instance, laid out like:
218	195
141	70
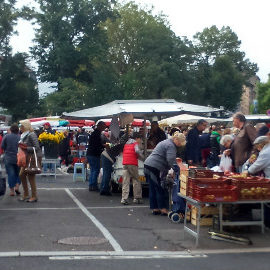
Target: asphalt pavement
72	228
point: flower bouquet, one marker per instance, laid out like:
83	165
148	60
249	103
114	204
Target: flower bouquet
51	142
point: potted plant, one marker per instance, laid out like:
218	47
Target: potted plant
51	143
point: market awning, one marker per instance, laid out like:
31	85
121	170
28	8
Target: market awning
140	109
186	118
135	123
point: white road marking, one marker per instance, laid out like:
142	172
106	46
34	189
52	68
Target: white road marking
61	188
129	257
98	224
232	250
73	208
98	255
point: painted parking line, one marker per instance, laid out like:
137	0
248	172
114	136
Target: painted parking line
73	208
132	256
98	224
102	255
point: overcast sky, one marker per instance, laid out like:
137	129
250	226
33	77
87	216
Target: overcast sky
248	19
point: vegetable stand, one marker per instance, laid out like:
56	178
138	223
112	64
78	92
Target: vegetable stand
198	204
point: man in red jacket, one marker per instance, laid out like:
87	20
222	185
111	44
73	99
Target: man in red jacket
131	153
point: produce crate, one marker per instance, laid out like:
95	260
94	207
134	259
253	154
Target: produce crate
183	177
252	189
207	213
203	194
203	173
193	183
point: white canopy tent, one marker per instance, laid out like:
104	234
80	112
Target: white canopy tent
186	118
140	109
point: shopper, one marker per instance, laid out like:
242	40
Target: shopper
10	148
243	141
193	147
108	158
95	148
158	163
262	163
64	148
156	135
27	142
131	154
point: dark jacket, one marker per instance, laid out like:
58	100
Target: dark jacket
95	145
193	148
10	146
214	143
82	137
115	151
155	138
64	147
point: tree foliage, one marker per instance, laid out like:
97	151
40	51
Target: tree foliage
18	86
68	39
220	68
263	96
149	60
97	51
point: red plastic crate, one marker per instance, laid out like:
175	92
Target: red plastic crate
228	194
253	189
203	173
209	182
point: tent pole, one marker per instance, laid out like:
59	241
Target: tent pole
144	138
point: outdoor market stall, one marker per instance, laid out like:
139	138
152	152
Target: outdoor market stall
126	110
201	187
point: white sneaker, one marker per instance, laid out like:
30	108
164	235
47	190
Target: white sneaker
125	202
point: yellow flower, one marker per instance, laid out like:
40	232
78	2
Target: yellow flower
45	137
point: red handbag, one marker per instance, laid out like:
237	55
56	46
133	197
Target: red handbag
21	158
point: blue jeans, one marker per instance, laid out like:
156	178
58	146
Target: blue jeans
13	174
157	195
107	172
94	162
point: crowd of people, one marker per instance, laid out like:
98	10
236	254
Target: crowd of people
246	147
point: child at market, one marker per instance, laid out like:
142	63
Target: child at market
131	153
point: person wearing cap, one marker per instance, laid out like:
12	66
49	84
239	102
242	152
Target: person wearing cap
94	150
262	163
243	141
47	128
160	161
28	141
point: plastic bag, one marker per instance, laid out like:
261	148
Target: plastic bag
225	163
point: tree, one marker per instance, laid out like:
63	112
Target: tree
263	96
220	68
68	38
149	60
18	86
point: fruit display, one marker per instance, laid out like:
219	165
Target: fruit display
252	188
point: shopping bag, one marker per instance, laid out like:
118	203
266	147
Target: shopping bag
2	186
33	167
21	158
225	163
